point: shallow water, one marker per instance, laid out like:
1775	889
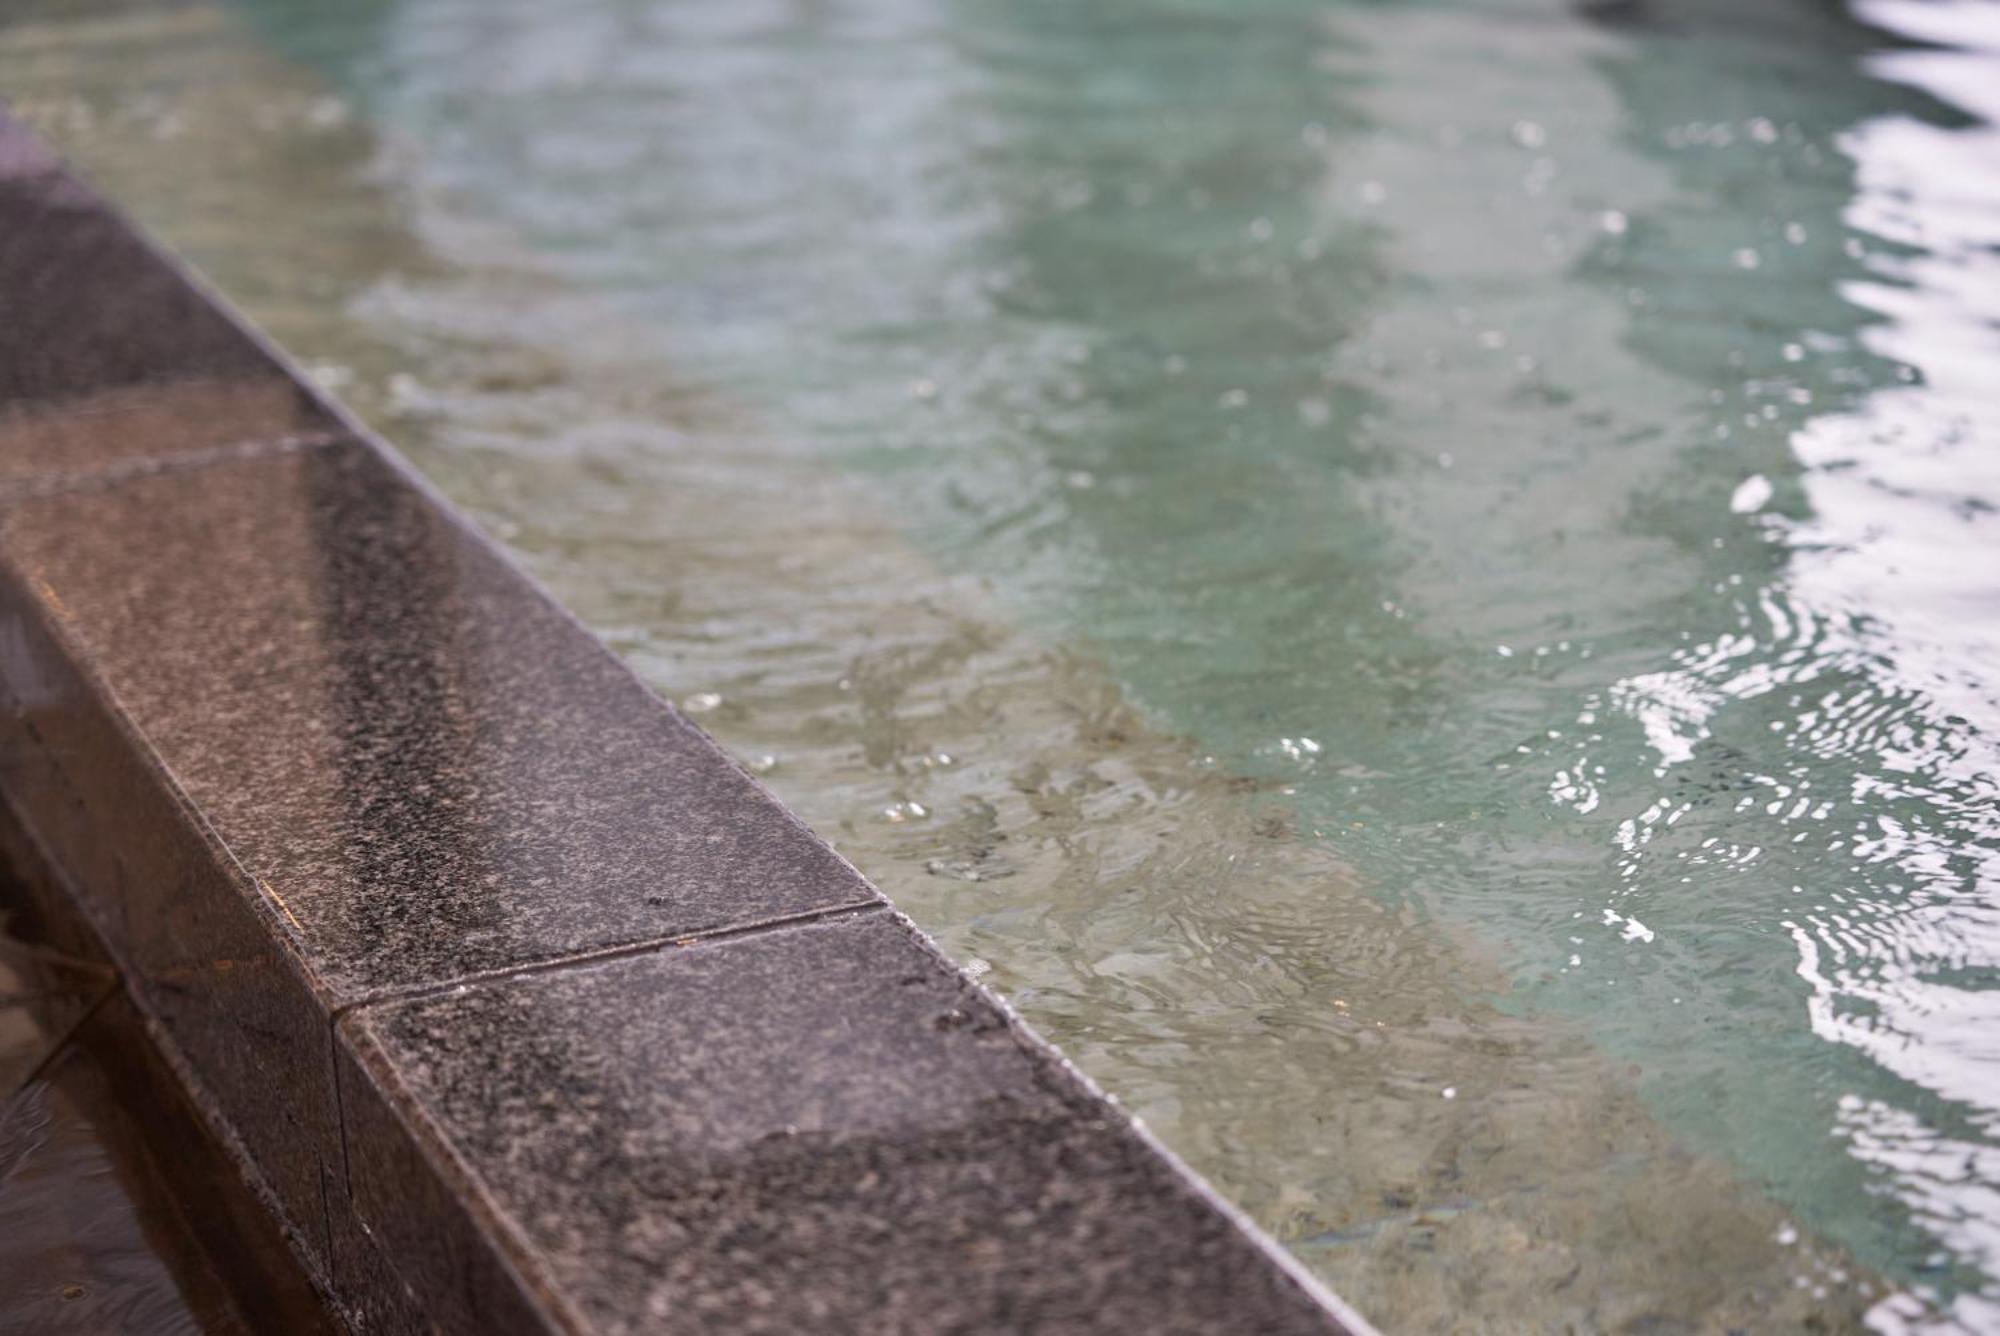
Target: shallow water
117	1212
1414	580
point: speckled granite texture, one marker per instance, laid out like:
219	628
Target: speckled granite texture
817	1128
92	315
527	1008
427	768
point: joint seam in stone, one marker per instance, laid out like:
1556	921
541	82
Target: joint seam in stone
114	475
701	937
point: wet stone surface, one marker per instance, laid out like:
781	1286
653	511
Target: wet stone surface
93	318
428	768
822	1127
118	1213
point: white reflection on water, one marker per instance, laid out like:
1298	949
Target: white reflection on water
1885	631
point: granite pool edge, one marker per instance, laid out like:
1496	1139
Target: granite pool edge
244	647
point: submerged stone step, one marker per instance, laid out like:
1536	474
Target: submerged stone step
527	1007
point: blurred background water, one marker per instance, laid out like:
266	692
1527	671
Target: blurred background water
1417	583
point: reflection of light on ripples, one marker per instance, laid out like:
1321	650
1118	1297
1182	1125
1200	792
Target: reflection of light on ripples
1948	1185
1870	659
1907	531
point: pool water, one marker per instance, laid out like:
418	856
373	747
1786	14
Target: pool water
118	1212
1417	583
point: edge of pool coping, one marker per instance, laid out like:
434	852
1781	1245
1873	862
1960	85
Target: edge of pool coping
130	821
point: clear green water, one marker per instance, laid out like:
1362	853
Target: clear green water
1418	581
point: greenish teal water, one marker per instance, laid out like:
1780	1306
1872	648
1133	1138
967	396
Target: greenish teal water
1546	454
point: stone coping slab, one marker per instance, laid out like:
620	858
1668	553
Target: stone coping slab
92	315
113	1196
421	764
822	1127
527	1008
